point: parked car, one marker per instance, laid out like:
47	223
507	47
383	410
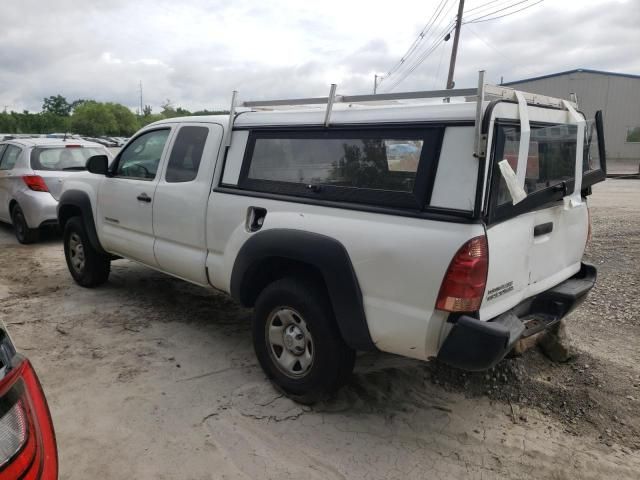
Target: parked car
339	245
31	174
27	438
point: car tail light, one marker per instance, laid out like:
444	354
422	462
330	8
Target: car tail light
35	182
27	441
463	286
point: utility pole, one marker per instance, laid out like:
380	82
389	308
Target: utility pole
141	104
375	83
454	51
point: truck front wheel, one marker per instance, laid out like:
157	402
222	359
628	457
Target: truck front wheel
88	267
297	341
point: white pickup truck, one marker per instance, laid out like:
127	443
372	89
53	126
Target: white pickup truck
396	222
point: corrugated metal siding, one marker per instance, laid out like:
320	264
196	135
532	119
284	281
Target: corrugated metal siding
618	97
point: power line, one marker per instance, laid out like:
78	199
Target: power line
408	66
508	14
421	37
434	45
482	18
488	44
426	54
488	5
426	51
503	8
415	65
435	79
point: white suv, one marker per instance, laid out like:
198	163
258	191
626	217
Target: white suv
417	228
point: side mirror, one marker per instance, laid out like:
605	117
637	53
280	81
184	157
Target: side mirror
98	164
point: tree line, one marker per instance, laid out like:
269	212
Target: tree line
88	117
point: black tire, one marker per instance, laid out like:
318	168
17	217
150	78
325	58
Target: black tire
24	234
332	360
88	267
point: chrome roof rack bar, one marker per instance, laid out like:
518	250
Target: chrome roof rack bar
380	97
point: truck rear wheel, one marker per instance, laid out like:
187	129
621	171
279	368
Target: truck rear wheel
297	341
88	267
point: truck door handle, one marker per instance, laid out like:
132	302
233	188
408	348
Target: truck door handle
542	229
143	197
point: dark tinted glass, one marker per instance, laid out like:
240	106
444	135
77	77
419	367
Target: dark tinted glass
384	163
186	154
551	159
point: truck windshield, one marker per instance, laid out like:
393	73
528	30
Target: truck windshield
63	158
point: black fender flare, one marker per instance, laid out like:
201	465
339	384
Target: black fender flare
72	201
325	254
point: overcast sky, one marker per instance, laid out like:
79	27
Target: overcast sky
195	52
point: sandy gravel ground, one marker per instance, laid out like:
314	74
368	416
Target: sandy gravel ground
149	377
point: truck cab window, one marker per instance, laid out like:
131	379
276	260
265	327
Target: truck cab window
186	154
140	159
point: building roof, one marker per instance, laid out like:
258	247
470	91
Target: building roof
568	72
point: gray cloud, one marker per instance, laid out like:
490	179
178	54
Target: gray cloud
196	52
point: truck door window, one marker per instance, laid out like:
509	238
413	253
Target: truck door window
186	154
140	159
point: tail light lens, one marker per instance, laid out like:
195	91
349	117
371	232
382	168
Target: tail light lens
35	182
13	432
463	286
27	441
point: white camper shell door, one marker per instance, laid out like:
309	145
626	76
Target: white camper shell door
532	248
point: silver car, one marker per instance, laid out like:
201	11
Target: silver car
31	174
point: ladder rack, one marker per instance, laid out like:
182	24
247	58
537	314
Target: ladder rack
380	97
484	92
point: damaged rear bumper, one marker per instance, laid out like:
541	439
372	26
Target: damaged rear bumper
476	345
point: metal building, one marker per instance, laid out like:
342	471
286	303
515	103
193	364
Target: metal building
616	94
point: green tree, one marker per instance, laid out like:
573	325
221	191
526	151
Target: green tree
93	119
211	112
57	105
76	103
126	122
147	119
147	110
168	110
8	123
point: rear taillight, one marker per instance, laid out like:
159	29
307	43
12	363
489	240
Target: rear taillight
463	286
35	182
27	441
